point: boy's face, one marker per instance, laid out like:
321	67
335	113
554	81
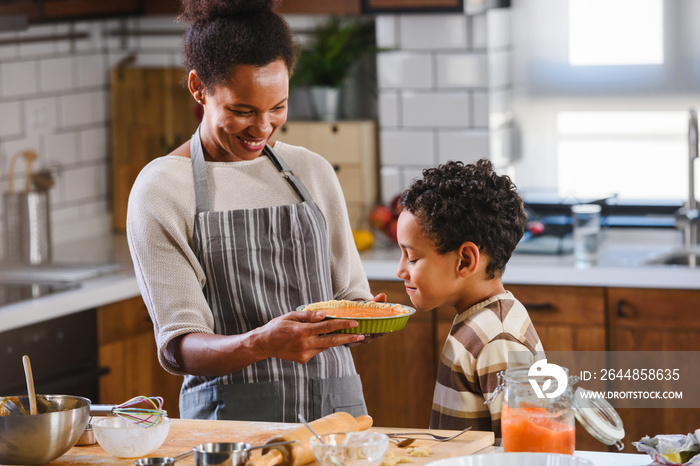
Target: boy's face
430	278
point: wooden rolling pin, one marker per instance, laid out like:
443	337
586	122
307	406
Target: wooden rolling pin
299	453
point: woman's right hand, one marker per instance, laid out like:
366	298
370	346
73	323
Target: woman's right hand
300	335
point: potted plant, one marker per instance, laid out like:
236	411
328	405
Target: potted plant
326	61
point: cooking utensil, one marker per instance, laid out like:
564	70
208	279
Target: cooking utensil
27	224
228	453
439	438
43	437
146	411
30	384
331	457
162	459
404	442
299	453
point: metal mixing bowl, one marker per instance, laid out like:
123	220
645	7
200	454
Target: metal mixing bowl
43	437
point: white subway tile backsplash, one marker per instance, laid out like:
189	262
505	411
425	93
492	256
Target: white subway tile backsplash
390	182
406	147
40	48
94	144
40	116
404	70
57	74
83	109
465	145
19	78
11	122
500	107
412	173
8	52
385	27
479	32
388	108
433	109
92	70
433	32
499	68
62	147
95	42
481	109
85	182
498	27
462	70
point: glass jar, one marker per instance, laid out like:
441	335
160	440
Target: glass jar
539	412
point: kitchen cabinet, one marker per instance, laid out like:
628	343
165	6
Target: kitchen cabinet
41	11
655	320
351	147
127	347
321	7
567	318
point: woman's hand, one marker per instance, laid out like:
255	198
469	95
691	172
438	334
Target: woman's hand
300	335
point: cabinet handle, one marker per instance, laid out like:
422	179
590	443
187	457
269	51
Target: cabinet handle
539	306
620	309
336	168
335	128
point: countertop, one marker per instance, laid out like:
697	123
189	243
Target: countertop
621	264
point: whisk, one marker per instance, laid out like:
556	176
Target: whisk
146	411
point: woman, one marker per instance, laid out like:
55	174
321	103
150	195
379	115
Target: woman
227	242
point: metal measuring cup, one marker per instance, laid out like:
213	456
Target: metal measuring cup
162	459
214	454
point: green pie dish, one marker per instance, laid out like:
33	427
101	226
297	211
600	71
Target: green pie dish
368	325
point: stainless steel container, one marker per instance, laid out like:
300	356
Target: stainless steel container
27	227
27	223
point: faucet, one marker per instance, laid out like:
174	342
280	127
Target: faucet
688	217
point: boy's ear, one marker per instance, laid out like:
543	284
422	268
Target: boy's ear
469	258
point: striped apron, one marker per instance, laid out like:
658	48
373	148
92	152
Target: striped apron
259	264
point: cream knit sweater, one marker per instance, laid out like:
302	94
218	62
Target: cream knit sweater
160	222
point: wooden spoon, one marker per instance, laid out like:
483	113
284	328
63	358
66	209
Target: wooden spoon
30	384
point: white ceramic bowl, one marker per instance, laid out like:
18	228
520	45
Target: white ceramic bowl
125	439
514	459
350	449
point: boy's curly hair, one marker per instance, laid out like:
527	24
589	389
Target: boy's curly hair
454	203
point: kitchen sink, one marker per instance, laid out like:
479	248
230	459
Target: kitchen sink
681	257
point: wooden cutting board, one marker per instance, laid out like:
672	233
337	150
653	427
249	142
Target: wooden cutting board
152	114
185	434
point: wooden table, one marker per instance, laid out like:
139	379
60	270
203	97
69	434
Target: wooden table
185	434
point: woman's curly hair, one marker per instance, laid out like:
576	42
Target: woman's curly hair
454	203
227	33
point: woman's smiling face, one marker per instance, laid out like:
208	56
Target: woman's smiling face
241	116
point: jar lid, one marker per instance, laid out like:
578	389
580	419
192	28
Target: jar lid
598	417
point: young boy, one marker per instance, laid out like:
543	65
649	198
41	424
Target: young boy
458	228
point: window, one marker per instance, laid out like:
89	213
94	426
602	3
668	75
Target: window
616	32
636	155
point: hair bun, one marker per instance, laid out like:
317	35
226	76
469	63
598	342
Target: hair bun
197	11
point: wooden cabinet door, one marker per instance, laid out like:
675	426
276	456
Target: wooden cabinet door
335	7
655	320
567	318
127	347
398	369
70	9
